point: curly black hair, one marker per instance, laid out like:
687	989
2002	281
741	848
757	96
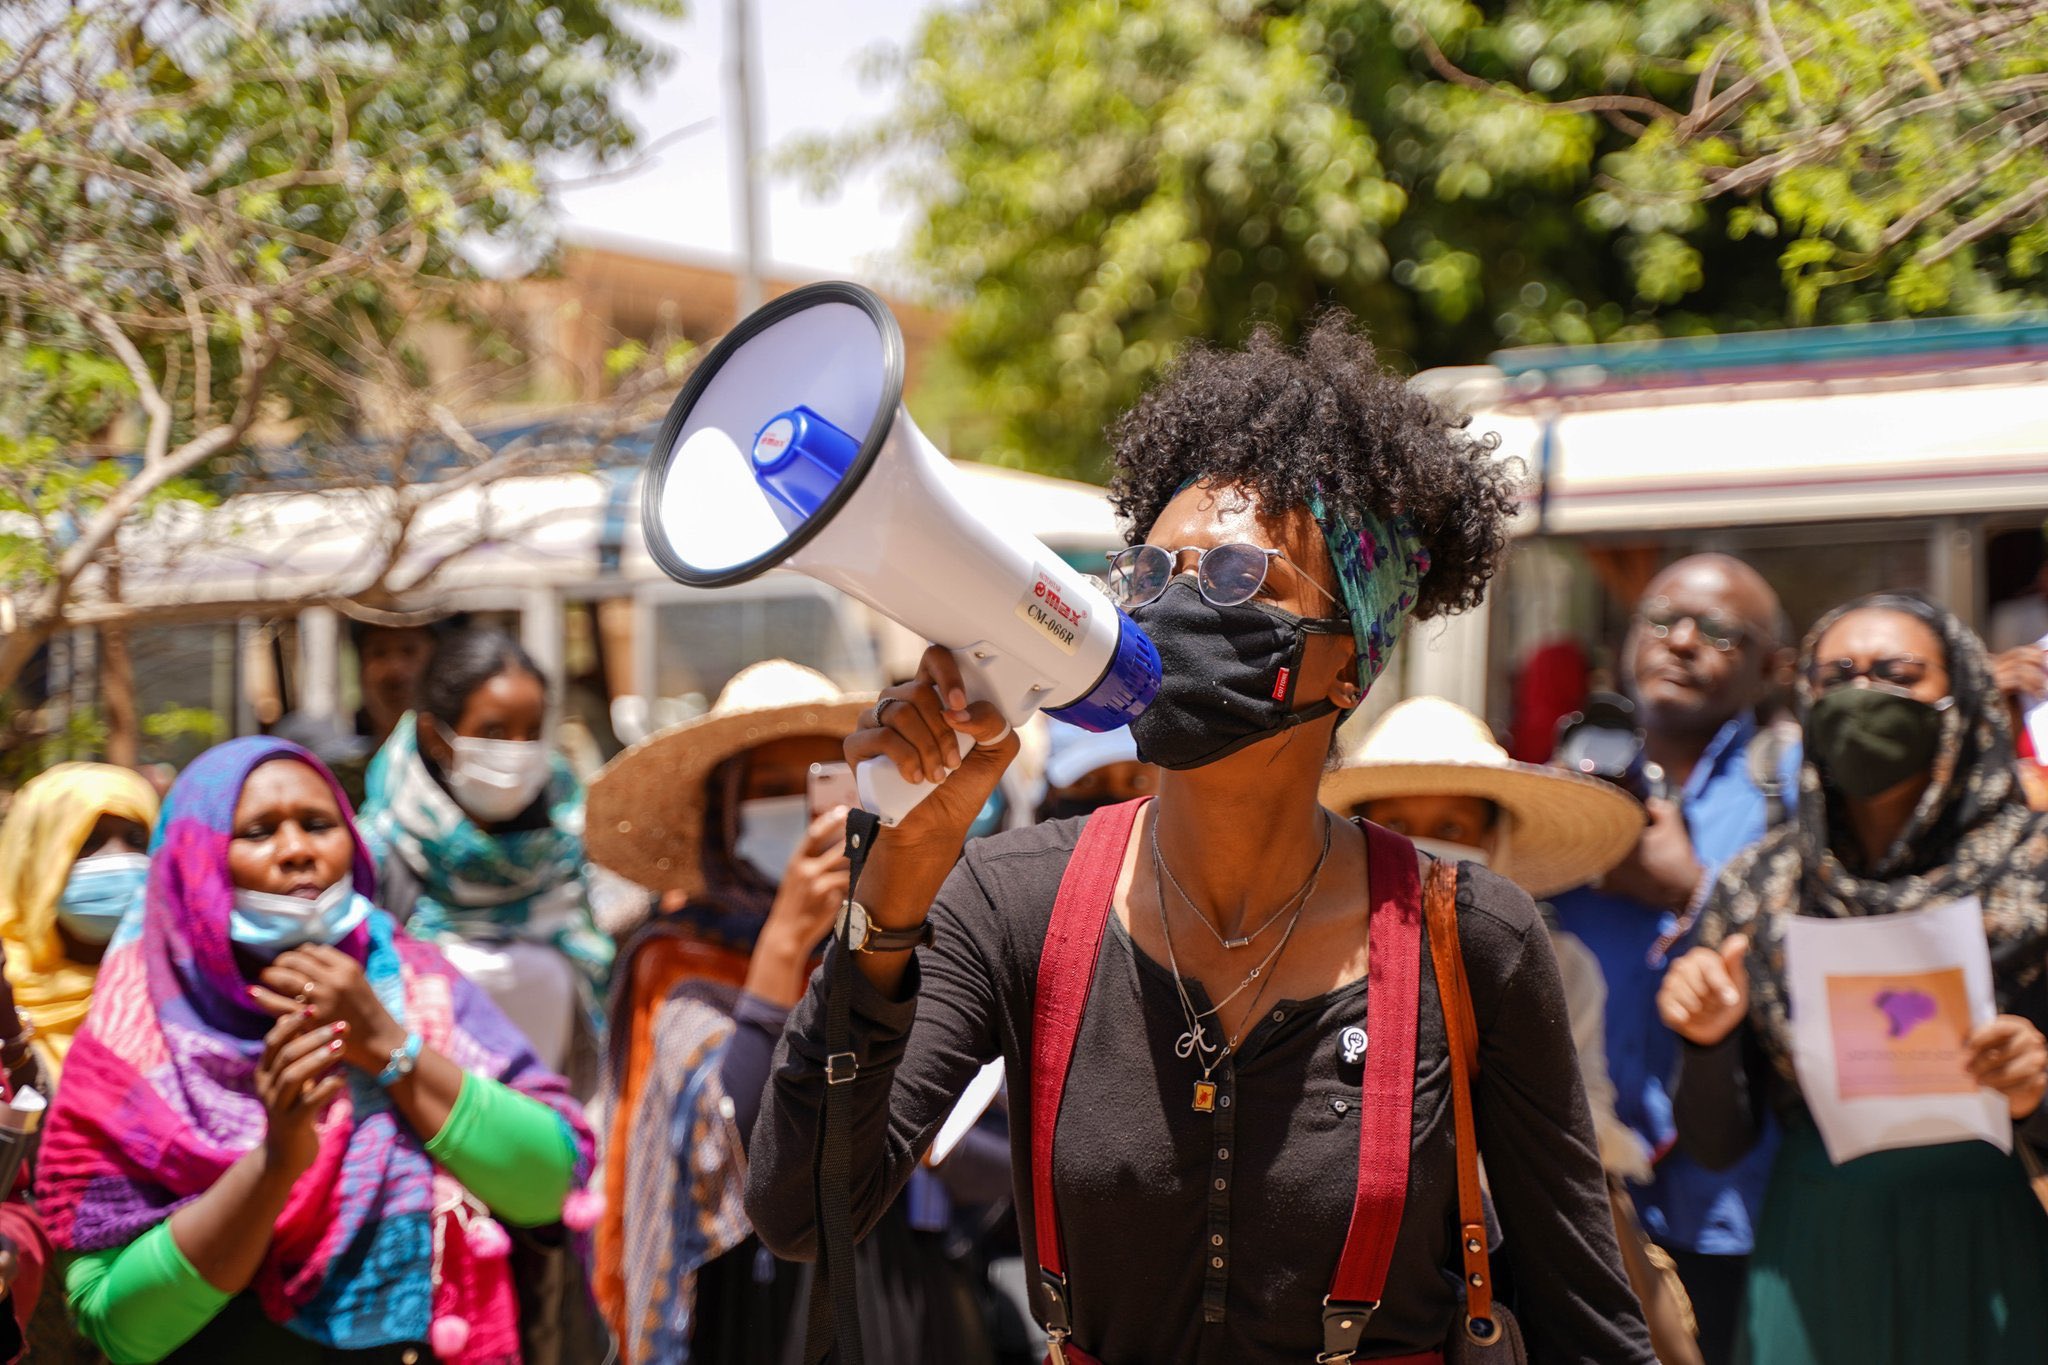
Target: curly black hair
1286	423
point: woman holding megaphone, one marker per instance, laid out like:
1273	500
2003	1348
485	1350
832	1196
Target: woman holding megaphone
1237	1109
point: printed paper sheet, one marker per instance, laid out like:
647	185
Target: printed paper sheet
1880	1009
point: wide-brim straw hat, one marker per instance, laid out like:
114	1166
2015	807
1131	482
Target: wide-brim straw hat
1565	829
644	818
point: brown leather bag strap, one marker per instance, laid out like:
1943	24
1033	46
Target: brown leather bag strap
1440	902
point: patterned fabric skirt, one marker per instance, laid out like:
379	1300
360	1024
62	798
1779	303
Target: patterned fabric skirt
1897	1258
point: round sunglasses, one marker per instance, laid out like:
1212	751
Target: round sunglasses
1226	575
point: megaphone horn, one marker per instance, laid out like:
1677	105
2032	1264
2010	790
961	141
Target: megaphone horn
789	445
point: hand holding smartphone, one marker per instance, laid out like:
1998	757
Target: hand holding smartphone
831	785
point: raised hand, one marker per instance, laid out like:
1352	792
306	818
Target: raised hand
1706	992
330	987
807	901
297	1077
1661	870
917	725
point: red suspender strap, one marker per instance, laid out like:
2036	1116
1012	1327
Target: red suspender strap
1388	1101
1066	968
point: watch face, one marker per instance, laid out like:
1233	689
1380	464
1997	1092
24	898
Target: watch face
857	927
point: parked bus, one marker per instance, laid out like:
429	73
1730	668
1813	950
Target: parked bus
1837	460
557	560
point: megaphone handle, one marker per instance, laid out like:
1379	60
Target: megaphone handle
885	791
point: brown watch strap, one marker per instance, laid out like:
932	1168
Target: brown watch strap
880	940
1440	902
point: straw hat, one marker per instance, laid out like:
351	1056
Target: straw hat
1566	829
645	814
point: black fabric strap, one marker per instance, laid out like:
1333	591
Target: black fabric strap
835	1307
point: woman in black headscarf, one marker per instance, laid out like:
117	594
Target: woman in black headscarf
1909	800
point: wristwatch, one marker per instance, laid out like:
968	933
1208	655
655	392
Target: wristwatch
863	935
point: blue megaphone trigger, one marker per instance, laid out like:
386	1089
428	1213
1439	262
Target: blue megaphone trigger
798	459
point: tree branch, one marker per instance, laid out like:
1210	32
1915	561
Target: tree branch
1592	104
161	418
1984	224
1774	44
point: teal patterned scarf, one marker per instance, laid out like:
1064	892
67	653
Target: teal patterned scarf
1380	565
519	884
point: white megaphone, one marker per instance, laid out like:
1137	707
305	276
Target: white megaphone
790	446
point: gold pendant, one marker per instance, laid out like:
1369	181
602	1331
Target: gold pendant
1205	1097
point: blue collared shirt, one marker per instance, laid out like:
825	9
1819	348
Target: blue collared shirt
1685	1205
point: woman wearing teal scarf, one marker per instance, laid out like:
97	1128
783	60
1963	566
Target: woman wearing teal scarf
478	831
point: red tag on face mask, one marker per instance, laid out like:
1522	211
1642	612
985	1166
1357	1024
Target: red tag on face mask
1280	685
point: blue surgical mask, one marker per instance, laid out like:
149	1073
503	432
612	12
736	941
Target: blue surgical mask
101	890
268	924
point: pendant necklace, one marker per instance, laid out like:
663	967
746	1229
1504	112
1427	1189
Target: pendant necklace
1244	940
1194	1042
1189	1041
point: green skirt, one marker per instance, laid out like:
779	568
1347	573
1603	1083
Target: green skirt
1908	1257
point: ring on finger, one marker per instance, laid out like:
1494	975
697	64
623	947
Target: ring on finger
306	993
882	708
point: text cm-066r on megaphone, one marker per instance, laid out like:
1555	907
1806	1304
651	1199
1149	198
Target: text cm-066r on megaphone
789	446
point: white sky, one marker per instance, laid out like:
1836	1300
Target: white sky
808	55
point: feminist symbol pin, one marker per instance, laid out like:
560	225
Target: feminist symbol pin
1352	1040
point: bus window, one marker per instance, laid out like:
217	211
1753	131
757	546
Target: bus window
700	642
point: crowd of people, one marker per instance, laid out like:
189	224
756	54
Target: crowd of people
1178	1044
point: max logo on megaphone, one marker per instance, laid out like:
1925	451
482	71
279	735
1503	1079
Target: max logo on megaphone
1060	621
789	447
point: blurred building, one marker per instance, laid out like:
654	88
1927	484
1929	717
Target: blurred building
602	291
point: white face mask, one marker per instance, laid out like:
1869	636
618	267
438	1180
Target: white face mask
495	779
771	830
1445	851
270	923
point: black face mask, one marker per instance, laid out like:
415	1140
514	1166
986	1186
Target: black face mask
1868	741
1228	675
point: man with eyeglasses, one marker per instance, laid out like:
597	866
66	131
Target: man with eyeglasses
1707	643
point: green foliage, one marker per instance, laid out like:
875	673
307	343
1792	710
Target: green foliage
214	212
1910	140
29	748
1099	184
631	357
179	724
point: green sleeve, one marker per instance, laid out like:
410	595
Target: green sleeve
142	1301
512	1151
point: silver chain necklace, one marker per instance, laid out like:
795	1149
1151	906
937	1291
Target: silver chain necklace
1245	940
1195	1042
1187	1043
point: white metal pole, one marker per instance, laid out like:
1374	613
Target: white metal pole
746	177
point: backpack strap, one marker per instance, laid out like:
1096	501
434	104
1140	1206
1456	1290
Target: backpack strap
1388	1098
1066	969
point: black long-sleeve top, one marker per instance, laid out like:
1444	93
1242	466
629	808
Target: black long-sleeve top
1212	1237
